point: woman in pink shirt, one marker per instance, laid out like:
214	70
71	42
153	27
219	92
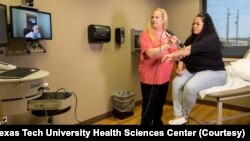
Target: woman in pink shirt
154	75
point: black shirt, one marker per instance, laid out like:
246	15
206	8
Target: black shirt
205	54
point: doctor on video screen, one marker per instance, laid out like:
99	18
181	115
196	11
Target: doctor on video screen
34	33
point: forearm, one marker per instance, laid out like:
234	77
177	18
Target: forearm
186	50
152	52
182	52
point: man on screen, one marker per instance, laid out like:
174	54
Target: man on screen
34	33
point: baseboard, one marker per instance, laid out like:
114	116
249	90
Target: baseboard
103	116
96	119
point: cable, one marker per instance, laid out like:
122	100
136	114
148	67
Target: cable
61	89
49	118
76	102
76	107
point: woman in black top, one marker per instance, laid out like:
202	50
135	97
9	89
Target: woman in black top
200	66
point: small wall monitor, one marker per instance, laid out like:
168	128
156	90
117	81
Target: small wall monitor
29	23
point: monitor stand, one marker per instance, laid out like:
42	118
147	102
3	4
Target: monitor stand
34	46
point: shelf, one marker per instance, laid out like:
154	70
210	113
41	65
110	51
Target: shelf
34	46
23	47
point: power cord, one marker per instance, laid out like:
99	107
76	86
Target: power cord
61	89
75	104
76	107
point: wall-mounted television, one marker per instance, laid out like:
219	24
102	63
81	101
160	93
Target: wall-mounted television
30	24
3	26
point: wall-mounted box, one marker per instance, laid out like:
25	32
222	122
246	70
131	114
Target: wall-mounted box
98	33
119	35
135	36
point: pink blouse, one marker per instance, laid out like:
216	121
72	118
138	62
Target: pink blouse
151	70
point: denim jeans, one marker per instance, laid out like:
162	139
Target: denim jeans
186	87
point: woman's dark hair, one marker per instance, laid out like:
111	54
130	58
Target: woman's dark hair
208	27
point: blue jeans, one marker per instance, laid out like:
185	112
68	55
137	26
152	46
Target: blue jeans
186	87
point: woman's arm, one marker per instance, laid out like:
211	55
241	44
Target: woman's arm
152	52
183	52
178	54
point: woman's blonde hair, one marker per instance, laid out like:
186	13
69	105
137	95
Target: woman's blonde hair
149	27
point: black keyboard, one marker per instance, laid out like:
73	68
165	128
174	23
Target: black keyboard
18	73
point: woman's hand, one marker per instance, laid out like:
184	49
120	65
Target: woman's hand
166	57
173	39
180	68
176	56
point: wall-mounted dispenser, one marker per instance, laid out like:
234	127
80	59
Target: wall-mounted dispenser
119	35
135	36
98	33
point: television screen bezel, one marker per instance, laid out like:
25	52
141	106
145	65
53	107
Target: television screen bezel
6	24
29	10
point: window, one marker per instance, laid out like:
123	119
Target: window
232	22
